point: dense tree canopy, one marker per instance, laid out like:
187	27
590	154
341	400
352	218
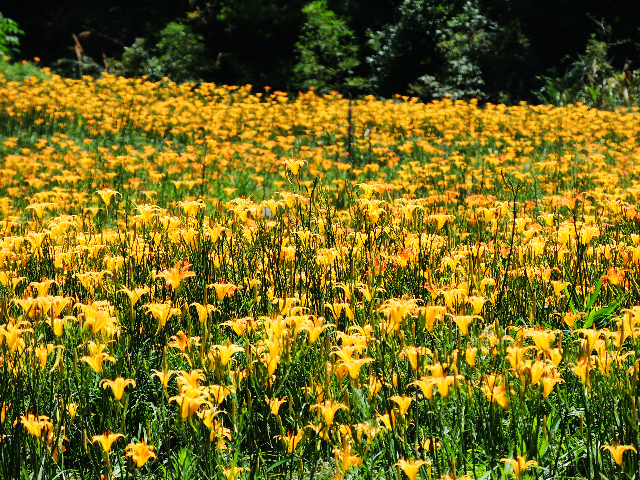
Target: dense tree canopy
495	50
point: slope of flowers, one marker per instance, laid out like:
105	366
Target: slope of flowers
204	282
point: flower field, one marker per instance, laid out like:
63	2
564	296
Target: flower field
202	281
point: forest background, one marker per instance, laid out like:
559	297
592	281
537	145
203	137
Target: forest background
501	51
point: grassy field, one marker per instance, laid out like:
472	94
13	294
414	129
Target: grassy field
203	282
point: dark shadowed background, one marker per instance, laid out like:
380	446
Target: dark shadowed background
494	50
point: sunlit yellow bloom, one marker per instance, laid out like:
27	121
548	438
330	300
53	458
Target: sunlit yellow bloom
140	453
232	471
548	383
223	290
226	351
190	401
11	333
411	467
558	286
161	312
36	425
519	465
294	165
396	310
345	459
290	440
117	386
3	411
617	451
542	338
496	394
582	370
106	440
164	377
426	385
275	403
328	410
107	194
219	393
135	294
403	403
412	352
218	430
314	327
175	275
39	208
96	360
463	322
72	408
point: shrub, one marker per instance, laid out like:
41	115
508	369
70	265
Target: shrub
592	80
327	52
9	41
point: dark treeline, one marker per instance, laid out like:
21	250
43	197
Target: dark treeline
494	50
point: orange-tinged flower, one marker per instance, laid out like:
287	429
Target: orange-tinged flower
582	370
203	311
542	338
519	465
411	467
396	310
426	385
345	459
291	440
219	393
39	208
163	376
558	286
161	312
232	471
57	325
36	425
412	353
294	165
496	394
190	401
353	365
226	351
314	327
182	342
190	379
470	355
175	275
191	208
548	383
223	290
107	194
117	386
72	408
140	453
106	440
617	451
99	317
328	410
403	403
95	361
217	429
591	335
275	403
135	294
12	334
463	322
3	412
443	384
477	303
